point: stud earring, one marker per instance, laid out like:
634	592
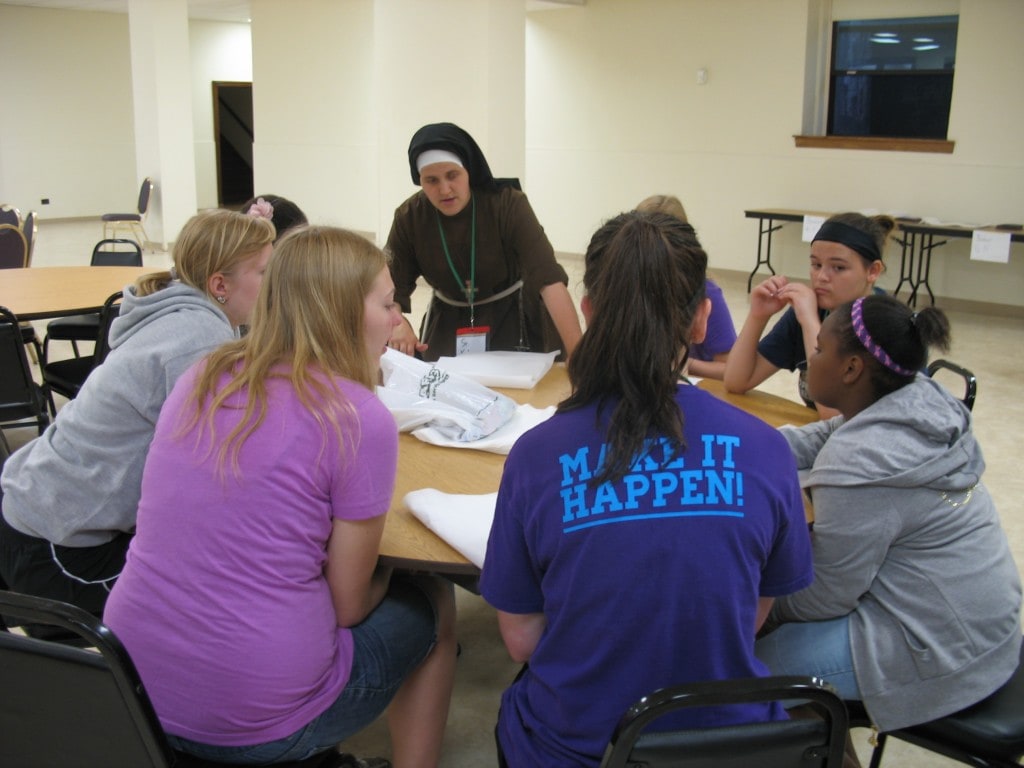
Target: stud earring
221	300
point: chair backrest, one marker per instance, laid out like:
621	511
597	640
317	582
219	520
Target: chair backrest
970	383
29	228
13	248
10	215
109	312
116	252
783	744
17	387
21	398
65	705
144	192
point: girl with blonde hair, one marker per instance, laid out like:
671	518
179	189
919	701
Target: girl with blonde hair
70	496
265	493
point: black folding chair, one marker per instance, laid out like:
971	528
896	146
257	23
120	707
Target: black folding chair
810	743
72	706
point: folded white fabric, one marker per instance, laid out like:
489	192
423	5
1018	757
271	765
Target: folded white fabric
463	520
500	440
460	409
515	370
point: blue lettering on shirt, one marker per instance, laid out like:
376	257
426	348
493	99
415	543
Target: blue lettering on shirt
659	482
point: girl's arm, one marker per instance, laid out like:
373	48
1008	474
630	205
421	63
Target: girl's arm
357	585
746	367
521	633
559	304
853	531
708	369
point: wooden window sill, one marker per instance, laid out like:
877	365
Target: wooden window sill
872	142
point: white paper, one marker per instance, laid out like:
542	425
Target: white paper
461	519
811	226
515	370
990	246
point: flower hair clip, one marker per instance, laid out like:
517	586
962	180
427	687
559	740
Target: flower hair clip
262	209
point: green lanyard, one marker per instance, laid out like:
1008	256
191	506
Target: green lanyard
470	289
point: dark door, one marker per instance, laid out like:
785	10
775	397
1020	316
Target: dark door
233	135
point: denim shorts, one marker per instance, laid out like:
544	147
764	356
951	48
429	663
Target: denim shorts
389	645
818	648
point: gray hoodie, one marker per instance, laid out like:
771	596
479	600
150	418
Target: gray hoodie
78	483
907	539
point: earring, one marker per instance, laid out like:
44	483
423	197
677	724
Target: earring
221	300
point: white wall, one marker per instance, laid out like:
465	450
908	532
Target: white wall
220	52
615	114
67	126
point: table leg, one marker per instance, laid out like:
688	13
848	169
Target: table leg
763	231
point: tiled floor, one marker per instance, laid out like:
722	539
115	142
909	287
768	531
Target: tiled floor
988	344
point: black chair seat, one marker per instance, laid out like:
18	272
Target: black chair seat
989	733
74	327
121	217
68	376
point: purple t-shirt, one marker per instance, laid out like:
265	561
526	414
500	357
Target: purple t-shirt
223	604
721	333
646	583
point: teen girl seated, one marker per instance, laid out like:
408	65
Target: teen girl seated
252	602
846	261
706	359
642	532
70	496
915	605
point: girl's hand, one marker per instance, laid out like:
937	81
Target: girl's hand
803	300
403	338
767	298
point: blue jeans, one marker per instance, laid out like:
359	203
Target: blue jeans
389	645
818	648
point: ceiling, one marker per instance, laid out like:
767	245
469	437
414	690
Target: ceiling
211	10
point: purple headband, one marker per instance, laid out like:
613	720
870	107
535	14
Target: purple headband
857	318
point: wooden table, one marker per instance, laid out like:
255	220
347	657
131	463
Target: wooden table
36	293
409	544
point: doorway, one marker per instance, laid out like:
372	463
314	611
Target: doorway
233	137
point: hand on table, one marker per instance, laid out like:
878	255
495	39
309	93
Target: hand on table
404	339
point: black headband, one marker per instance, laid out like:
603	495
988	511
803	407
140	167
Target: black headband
851	237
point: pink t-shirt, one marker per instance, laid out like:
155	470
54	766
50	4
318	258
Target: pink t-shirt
223	604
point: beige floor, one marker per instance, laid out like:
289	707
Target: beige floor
988	344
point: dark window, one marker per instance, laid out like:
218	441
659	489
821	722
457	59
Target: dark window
892	77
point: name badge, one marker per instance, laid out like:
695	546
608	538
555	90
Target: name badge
471	339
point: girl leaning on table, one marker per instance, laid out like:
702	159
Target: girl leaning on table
70	496
915	605
642	532
251	601
846	261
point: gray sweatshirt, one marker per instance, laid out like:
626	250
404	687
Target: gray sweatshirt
78	483
907	539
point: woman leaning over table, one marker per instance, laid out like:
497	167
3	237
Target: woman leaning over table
846	261
642	532
478	244
70	496
915	605
263	505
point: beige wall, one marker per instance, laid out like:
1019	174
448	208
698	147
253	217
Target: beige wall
66	123
67	128
614	113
